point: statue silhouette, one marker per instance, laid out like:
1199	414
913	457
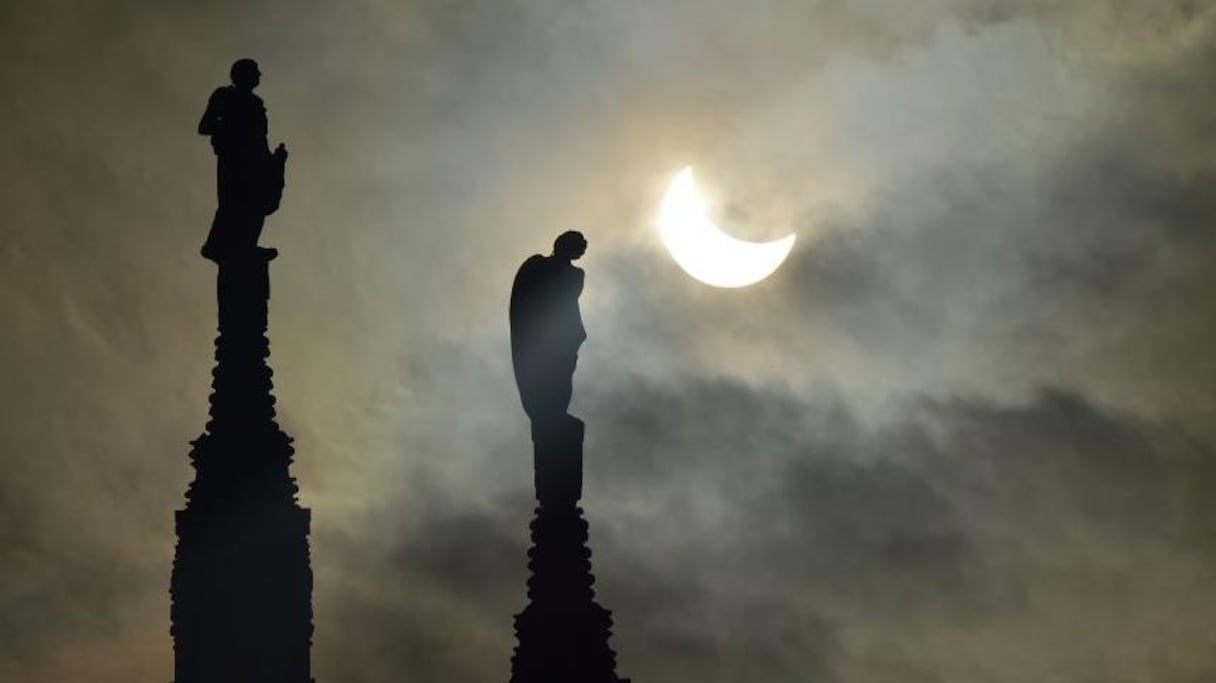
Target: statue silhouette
562	633
249	178
547	327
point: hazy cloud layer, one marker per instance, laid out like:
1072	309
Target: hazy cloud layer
964	435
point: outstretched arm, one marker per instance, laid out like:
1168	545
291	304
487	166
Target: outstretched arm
209	124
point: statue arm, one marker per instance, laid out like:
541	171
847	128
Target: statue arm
209	124
580	276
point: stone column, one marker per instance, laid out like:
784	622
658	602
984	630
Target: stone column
563	633
242	586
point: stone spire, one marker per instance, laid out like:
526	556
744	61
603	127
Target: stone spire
563	633
242	587
241	583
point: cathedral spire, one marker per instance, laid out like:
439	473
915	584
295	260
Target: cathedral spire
241	588
563	633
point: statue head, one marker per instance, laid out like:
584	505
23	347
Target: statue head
245	74
569	245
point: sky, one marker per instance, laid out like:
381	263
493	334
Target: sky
965	434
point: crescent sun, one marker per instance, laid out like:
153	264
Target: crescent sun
707	253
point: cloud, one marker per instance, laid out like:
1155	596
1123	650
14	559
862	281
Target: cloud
960	516
849	472
746	530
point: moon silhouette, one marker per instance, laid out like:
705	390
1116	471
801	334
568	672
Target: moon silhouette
706	252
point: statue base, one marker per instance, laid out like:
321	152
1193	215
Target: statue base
557	448
563	633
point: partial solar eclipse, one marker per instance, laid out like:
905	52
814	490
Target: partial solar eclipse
706	252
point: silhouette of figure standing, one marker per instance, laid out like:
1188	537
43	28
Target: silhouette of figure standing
547	328
562	634
249	178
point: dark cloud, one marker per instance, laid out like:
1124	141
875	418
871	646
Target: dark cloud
739	530
944	517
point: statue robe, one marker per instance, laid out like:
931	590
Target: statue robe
249	179
546	332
